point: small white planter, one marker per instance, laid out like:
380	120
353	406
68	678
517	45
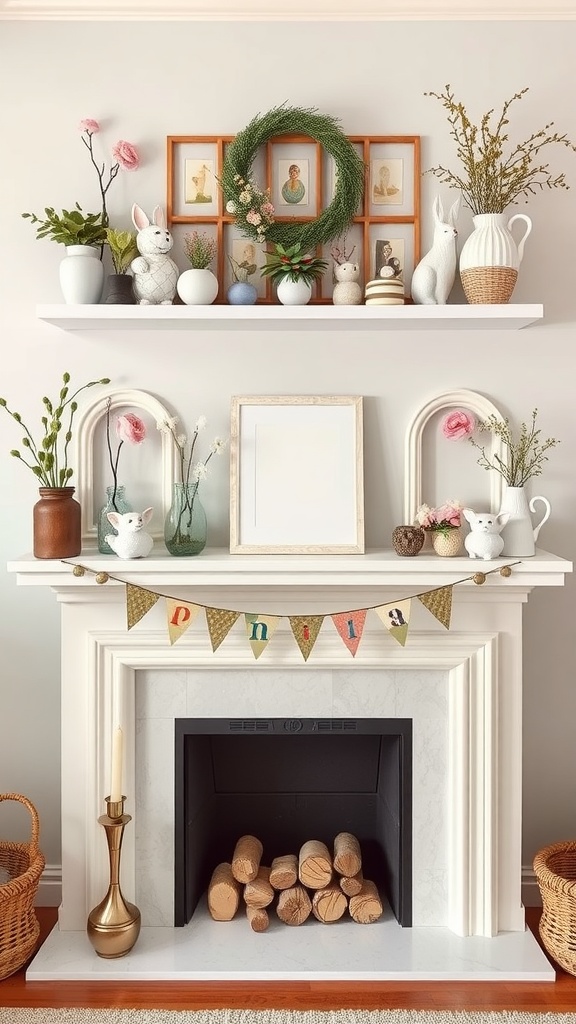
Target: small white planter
294	293
81	275
197	287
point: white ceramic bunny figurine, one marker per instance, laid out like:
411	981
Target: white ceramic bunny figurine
434	276
484	540
155	274
132	540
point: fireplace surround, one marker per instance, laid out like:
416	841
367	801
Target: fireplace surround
461	687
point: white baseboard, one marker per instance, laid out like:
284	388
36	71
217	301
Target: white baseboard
530	889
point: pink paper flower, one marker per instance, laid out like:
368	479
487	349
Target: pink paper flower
89	125
130	428
126	155
457	424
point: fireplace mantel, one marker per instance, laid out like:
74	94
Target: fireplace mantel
470	675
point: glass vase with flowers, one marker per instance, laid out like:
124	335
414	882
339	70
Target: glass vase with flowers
185	526
444	526
129	428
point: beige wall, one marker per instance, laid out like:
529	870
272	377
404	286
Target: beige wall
147	81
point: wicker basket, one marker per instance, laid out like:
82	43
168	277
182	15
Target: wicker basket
491	285
555	868
19	927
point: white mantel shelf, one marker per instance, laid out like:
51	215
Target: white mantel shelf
217	568
284	318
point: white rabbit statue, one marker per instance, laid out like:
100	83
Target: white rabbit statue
347	291
155	274
434	275
484	540
132	540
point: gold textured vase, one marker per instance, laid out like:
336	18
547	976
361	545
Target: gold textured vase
114	925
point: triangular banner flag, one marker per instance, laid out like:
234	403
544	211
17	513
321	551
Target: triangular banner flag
350	626
396	618
439	602
260	629
305	629
220	622
180	615
138	602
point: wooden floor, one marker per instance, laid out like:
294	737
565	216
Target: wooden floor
558	997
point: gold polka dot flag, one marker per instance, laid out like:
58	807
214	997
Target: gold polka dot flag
180	616
396	618
138	602
305	629
350	626
219	622
439	602
260	630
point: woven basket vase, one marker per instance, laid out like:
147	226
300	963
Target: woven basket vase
491	285
555	869
19	927
447	544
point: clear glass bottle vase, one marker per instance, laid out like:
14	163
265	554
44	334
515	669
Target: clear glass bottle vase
185	525
114	503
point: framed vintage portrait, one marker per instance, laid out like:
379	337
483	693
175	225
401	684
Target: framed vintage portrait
244	260
296	475
193	167
392	179
295	176
391	246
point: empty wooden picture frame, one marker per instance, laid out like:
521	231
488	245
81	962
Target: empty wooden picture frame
296	474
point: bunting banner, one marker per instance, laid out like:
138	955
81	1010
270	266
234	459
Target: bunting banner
396	618
180	616
350	626
138	602
260	627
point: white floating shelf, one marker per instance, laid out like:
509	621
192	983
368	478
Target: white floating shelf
285	318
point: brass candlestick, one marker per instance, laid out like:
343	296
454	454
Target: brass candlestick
114	925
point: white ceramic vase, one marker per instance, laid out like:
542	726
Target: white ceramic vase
492	247
197	286
81	275
520	534
294	293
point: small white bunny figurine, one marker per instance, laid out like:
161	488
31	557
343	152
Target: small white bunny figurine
155	274
484	540
347	291
433	277
132	540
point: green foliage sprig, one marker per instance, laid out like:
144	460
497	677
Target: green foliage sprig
49	462
71	227
524	456
123	248
491	181
237	174
293	264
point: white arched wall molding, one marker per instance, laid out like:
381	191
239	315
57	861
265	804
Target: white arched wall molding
463	399
297	10
88	420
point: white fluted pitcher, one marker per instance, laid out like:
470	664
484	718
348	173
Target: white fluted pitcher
520	534
490	258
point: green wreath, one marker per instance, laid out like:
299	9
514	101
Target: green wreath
250	205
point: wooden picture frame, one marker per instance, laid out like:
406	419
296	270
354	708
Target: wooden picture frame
296	475
394	159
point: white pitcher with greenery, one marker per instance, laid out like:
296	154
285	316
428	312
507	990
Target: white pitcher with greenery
523	460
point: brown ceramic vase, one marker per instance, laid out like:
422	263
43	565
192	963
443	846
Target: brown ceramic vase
57	523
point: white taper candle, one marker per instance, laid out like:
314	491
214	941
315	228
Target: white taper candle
116	774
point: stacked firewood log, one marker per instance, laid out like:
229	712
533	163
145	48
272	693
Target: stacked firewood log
314	881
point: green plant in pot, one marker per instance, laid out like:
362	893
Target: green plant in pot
293	272
123	250
70	227
81	271
57	530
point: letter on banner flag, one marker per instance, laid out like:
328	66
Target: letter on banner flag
396	618
305	629
180	614
260	629
220	622
350	626
439	602
138	602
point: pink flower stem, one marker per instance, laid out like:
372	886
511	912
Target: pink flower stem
100	172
